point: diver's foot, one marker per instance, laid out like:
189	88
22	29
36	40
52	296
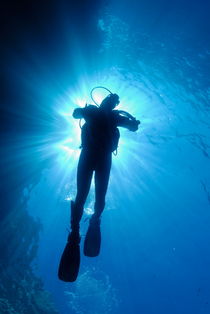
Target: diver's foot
70	260
92	242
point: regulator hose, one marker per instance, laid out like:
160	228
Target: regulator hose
91	93
122	112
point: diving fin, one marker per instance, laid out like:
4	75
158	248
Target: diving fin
70	260
92	241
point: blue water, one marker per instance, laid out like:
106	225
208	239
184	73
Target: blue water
155	252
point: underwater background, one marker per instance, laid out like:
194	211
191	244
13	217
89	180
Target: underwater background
155	255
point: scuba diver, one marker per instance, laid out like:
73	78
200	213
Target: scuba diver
100	137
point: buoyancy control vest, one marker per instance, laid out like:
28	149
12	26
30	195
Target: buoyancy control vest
100	132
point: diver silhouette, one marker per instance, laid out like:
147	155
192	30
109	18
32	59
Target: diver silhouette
99	136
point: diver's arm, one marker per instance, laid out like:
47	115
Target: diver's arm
130	124
78	113
86	113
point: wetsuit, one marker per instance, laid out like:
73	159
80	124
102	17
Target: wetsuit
100	137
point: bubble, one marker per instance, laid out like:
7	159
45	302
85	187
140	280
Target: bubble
93	294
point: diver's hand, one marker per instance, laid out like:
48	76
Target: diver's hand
77	114
134	125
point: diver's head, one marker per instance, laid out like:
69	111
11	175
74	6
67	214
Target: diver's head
110	102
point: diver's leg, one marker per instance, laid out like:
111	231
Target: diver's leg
102	174
92	241
84	177
70	259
